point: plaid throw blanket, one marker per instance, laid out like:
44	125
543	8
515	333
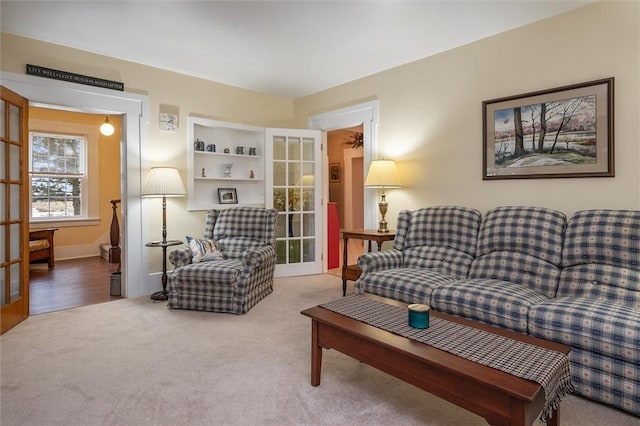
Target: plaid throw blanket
548	368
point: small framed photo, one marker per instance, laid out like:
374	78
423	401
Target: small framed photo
334	172
227	196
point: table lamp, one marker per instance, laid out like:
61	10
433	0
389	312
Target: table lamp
163	182
383	174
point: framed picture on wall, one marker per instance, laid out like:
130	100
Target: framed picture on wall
555	133
227	196
334	172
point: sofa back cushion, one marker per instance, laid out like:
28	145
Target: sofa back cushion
241	228
442	238
521	245
601	257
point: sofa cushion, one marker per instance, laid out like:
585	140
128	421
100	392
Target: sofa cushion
518	268
441	259
409	285
496	302
602	327
601	256
442	226
522	245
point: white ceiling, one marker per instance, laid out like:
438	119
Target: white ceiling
286	48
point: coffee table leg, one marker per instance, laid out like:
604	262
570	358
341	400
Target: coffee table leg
316	355
555	418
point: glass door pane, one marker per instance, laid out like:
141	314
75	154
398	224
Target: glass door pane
296	162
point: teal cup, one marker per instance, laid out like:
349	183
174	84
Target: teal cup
418	315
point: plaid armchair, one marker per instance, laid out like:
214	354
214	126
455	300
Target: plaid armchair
243	273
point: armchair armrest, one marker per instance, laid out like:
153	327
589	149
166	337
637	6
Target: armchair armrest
380	260
180	257
254	258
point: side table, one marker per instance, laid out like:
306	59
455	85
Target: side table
162	295
352	272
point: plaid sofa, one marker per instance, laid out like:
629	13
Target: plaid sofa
517	264
433	246
576	282
596	309
244	274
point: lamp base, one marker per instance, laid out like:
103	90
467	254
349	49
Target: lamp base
382	226
382	206
159	296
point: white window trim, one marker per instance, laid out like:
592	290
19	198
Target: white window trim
91	210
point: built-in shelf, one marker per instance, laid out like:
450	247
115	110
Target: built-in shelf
206	170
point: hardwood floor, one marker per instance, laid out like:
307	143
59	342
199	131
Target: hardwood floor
72	283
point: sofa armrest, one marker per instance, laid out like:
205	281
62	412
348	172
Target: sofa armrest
380	260
180	257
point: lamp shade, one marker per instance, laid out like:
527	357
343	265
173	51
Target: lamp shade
383	174
163	181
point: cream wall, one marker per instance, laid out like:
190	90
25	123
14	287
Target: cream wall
191	95
431	111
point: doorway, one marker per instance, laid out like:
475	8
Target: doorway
75	186
365	115
345	152
133	109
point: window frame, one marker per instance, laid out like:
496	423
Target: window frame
89	190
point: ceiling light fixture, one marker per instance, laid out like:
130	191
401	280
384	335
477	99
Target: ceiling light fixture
107	128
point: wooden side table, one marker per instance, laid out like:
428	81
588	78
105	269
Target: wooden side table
352	272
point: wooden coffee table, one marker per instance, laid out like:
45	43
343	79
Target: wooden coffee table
499	397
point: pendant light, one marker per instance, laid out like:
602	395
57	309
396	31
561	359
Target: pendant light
107	128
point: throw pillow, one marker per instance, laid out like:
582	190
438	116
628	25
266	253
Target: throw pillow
204	249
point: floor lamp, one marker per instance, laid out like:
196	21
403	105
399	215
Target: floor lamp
382	174
163	182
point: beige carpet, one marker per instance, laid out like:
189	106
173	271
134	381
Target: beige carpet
134	362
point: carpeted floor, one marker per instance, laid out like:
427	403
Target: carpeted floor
134	362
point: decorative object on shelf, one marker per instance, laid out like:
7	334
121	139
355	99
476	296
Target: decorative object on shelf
251	174
107	128
163	182
227	151
211	147
198	145
203	174
253	150
227	196
554	133
226	168
383	174
334	172
240	150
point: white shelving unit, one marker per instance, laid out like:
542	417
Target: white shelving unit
205	168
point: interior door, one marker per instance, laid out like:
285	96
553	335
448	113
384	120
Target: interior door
14	225
294	189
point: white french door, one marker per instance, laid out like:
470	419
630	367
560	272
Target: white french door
294	189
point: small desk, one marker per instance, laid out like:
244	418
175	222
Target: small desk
352	272
162	295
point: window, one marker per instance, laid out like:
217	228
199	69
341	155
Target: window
58	176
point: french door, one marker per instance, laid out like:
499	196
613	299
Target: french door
294	189
14	224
